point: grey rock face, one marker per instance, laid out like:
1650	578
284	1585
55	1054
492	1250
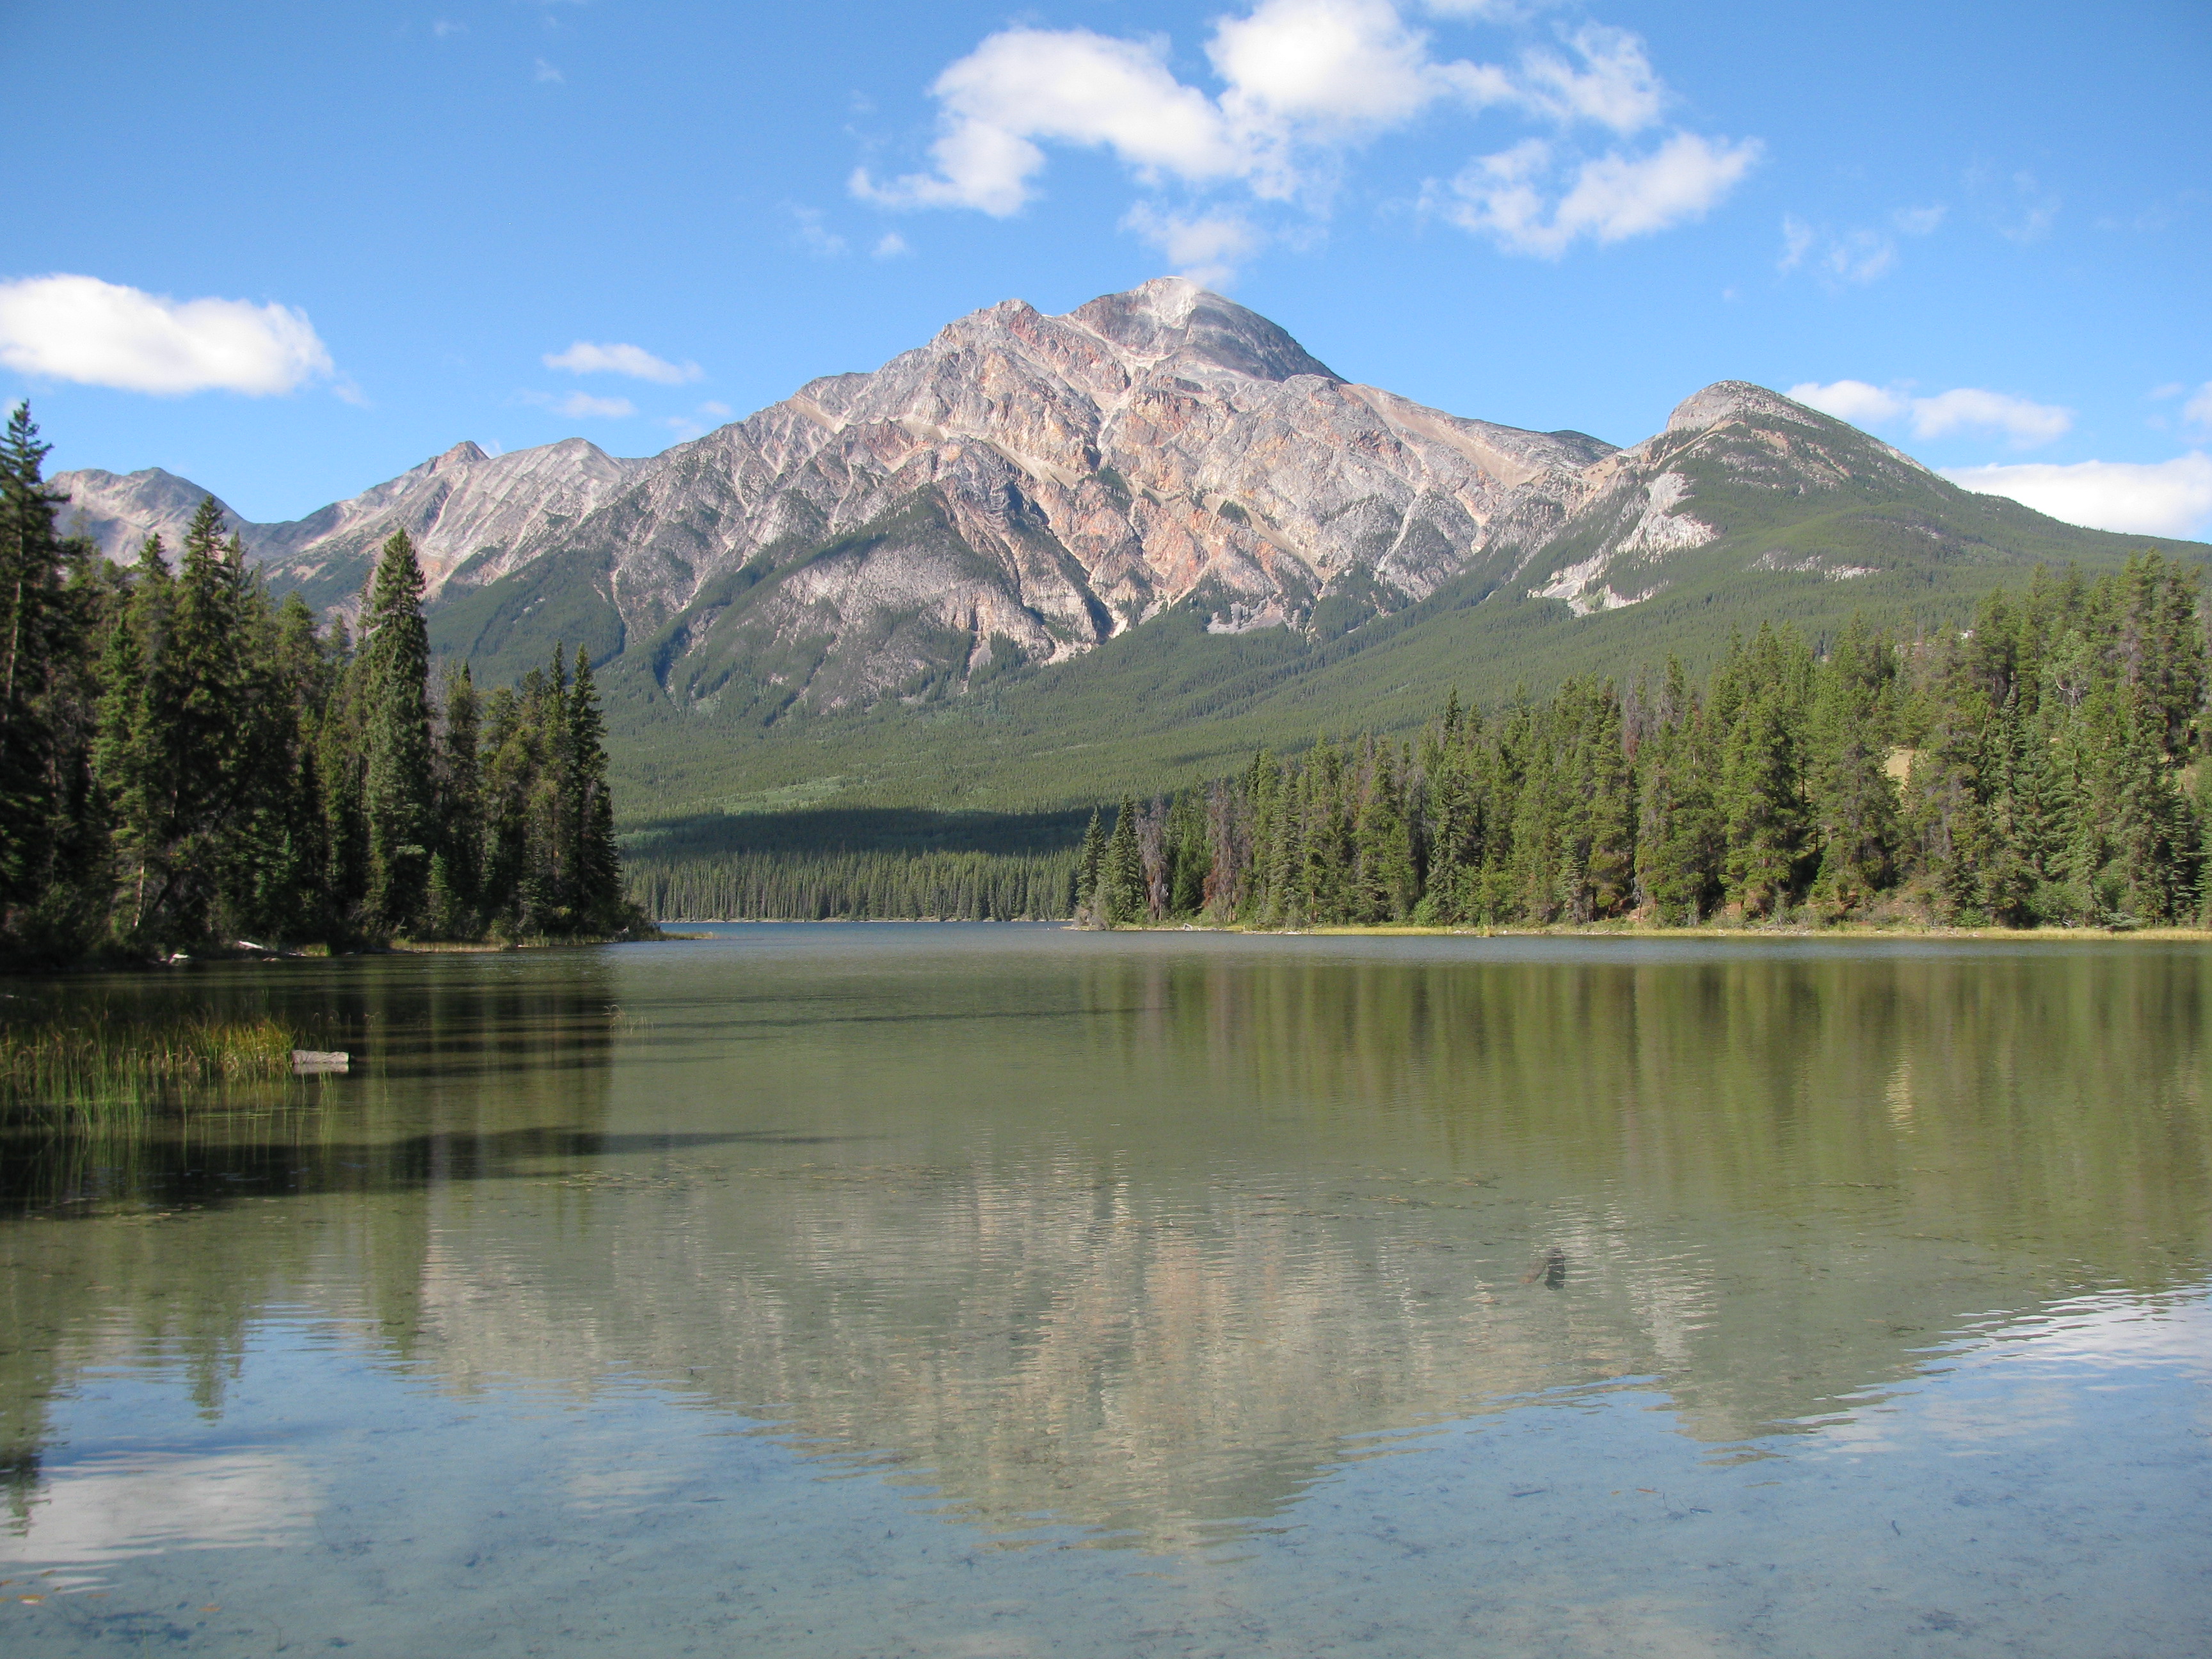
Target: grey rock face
1027	486
459	507
119	511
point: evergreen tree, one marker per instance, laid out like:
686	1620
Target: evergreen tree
597	863
1090	865
1853	799
398	784
456	868
1121	874
30	594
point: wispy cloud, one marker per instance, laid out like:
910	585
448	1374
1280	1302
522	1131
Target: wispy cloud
1964	409
2198	412
546	74
812	236
2159	498
1207	249
1856	256
583	406
579	405
2032	212
586	357
97	333
890	245
1530	200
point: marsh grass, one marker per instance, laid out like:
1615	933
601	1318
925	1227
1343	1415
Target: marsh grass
90	1063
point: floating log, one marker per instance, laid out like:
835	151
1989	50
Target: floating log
320	1060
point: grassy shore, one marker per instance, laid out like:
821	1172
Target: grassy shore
96	1064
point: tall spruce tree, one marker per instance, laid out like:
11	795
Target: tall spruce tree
399	790
1122	877
597	862
456	868
1090	862
52	602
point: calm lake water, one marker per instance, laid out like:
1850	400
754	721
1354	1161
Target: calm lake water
995	1291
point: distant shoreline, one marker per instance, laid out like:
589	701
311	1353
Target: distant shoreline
1388	930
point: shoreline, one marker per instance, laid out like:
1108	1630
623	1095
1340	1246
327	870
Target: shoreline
1387	930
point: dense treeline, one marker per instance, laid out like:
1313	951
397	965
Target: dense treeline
185	763
2043	767
859	886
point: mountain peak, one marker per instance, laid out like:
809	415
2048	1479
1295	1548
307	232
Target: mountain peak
460	455
1173	316
1170	298
1733	400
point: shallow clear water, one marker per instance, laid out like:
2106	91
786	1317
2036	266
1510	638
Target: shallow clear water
996	1290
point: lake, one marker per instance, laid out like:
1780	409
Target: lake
996	1290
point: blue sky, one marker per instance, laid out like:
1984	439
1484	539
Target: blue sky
288	251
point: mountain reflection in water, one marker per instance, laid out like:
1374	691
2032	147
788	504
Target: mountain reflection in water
1136	1234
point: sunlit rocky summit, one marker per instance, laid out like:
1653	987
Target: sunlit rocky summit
1025	487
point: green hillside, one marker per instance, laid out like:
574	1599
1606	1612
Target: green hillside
1168	704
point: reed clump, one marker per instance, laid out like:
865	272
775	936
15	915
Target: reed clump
94	1062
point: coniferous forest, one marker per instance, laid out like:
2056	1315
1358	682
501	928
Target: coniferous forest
186	764
2043	767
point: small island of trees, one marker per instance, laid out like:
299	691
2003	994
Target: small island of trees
188	765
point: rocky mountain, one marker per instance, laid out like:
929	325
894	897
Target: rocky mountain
1156	511
1020	490
463	508
118	511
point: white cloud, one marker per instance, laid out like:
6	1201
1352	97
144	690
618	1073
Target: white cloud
2198	412
1207	250
890	245
96	333
1301	82
546	74
1850	400
1920	221
1339	63
1514	196
2163	498
586	358
813	236
1069	85
1969	408
582	406
1963	408
720	411
1616	88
